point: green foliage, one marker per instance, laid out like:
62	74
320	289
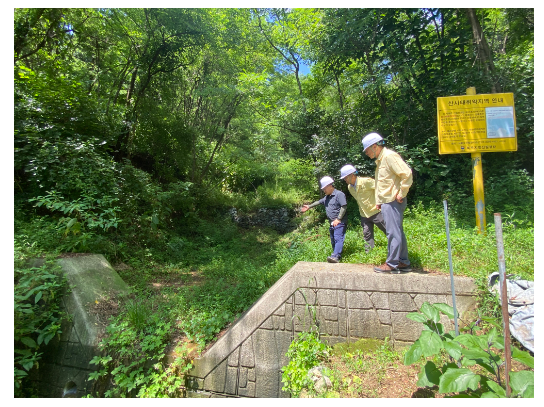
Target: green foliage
136	129
201	327
88	212
464	351
37	317
304	353
133	365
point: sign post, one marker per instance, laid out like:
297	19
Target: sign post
475	124
478	183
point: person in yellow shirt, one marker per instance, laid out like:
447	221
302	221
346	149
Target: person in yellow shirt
362	189
393	179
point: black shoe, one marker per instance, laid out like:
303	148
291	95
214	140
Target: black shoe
332	259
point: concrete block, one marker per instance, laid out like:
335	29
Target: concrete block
248	391
266	364
278	322
267	324
405	329
193	383
251	375
430	298
328	313
234	357
66	327
332	328
359	299
366	324
231	379
343	322
305	296
289	317
283	339
327	297
247	358
304	318
280	311
90	278
402	302
384	316
242	381
342	302
380	300
216	382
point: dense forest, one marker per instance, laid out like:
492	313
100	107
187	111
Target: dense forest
136	130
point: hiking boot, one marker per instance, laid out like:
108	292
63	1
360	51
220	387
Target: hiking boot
386	268
332	259
404	267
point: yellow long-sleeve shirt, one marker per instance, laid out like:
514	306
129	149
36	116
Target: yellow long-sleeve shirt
364	194
393	176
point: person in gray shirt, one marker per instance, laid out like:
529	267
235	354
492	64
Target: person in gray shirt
335	206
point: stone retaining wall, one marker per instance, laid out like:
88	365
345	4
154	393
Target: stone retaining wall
350	302
279	219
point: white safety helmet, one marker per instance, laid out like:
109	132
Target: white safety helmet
370	139
326	181
346	170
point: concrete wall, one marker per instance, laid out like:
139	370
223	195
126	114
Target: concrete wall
65	361
351	302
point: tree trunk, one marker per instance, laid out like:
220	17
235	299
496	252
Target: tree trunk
485	55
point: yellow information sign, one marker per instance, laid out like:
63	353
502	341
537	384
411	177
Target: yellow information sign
476	123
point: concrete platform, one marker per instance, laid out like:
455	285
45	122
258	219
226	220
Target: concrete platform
350	301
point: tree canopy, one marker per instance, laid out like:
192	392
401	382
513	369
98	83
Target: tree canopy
218	96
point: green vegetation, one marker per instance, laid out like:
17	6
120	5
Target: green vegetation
137	130
304	353
463	351
37	317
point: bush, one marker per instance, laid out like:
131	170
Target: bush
463	352
37	317
304	353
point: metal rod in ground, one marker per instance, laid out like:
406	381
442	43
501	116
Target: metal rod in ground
451	268
504	300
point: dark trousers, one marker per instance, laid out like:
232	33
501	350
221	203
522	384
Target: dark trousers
397	247
368	229
338	233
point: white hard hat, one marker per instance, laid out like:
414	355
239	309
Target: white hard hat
326	181
346	170
370	139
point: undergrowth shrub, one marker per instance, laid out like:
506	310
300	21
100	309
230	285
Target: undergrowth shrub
463	353
37	318
304	353
133	362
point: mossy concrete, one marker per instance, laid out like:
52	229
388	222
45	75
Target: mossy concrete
91	279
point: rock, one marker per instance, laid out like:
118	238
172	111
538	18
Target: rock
321	382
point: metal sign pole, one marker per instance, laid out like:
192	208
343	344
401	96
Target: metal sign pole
504	300
451	268
478	183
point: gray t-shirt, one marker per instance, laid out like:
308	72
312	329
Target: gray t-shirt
333	203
